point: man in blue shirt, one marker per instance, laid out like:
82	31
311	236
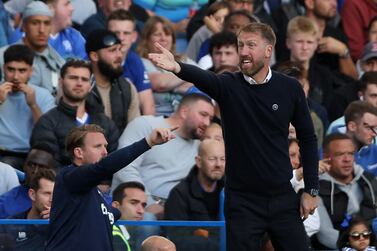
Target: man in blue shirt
123	24
33	237
361	121
17	200
67	41
21	105
80	219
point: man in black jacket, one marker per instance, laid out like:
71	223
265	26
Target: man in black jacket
72	111
197	198
112	93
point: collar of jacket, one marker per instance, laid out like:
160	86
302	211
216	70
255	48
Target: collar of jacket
71	110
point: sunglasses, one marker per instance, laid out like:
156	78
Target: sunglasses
357	235
110	40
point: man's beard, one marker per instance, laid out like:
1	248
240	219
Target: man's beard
68	95
254	70
109	71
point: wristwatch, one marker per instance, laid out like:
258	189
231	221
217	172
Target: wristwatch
313	192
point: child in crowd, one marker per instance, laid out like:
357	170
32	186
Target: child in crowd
357	236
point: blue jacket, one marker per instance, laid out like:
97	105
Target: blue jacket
14	201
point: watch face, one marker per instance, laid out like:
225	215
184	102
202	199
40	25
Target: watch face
313	192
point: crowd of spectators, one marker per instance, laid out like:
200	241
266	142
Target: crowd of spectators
65	63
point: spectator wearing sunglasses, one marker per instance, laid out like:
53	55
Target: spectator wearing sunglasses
17	200
346	189
111	92
357	236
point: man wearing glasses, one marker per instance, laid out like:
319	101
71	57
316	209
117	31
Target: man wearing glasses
361	122
345	190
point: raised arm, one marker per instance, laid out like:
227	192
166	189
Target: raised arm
85	177
164	60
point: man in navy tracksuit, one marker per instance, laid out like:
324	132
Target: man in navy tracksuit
80	219
256	107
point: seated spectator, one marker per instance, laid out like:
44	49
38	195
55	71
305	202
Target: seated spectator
367	92
161	168
157	243
334	51
357	236
302	41
111	92
167	88
223	50
21	105
361	123
197	198
233	23
130	199
368	60
17	200
346	189
213	23
37	19
8	178
33	237
73	110
123	24
67	41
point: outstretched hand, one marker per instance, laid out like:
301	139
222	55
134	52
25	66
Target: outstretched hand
160	136
164	60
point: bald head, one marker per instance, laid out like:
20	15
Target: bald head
157	243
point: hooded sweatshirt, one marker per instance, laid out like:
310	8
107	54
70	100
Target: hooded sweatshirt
339	199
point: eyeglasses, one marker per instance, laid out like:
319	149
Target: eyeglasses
357	235
371	128
110	40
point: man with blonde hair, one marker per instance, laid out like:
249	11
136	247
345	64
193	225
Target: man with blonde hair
302	41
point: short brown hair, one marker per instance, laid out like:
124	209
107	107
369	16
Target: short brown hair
333	137
76	137
75	63
302	24
192	98
263	29
356	110
42	173
121	15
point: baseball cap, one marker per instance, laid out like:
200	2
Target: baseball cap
36	8
99	39
370	51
